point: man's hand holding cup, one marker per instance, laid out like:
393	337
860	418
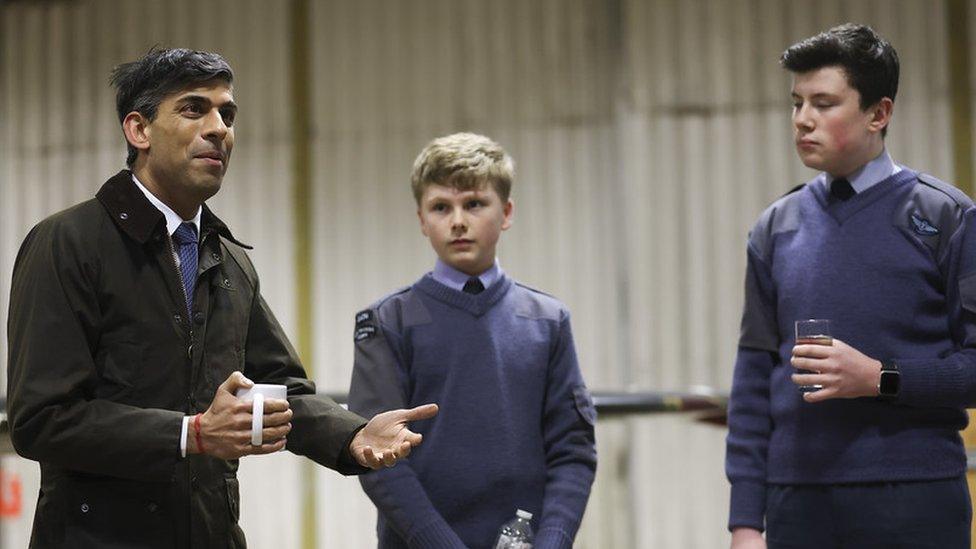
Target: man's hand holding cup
243	419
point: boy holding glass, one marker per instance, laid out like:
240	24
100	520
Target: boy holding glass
516	423
868	454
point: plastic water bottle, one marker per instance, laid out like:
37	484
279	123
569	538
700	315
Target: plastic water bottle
516	533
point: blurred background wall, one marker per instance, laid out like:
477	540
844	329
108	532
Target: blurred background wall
648	135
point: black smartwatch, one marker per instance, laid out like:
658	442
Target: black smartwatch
890	382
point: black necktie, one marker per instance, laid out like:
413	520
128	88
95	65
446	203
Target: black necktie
473	286
841	189
185	239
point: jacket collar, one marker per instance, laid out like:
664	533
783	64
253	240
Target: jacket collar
138	218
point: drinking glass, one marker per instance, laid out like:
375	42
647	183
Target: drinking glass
812	332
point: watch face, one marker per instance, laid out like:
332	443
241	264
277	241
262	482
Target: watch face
890	382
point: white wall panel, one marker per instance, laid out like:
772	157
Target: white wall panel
648	136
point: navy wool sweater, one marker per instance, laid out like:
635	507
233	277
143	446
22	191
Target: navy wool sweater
894	269
515	428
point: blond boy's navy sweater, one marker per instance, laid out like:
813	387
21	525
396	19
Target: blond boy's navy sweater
515	427
894	269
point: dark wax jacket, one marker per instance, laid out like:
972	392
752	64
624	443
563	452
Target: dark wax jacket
105	361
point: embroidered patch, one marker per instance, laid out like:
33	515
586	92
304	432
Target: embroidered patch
364	332
363	317
365	327
923	226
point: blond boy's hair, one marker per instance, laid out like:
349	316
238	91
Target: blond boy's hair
464	161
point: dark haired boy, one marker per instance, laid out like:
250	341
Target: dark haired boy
872	457
516	422
132	318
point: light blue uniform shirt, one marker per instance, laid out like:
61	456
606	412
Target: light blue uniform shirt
872	173
453	278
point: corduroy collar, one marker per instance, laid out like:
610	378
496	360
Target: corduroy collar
139	219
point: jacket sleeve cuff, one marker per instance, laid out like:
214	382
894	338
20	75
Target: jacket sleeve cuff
347	464
435	535
748	505
553	538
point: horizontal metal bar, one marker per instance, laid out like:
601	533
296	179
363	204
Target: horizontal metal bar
638	402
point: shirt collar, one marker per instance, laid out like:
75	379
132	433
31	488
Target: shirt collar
870	174
453	278
173	219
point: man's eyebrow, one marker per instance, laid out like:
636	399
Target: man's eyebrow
203	100
193	98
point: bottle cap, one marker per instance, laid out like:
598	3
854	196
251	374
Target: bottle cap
523	514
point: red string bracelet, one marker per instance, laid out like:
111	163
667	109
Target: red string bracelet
196	429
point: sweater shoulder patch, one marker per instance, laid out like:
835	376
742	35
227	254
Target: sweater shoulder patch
932	211
780	217
534	304
397	310
412	310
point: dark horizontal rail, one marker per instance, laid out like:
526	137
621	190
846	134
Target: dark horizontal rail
618	403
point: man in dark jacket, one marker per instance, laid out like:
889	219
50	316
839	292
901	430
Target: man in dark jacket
134	319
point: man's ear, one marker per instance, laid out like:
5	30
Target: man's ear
135	126
881	114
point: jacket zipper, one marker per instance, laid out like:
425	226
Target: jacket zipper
190	475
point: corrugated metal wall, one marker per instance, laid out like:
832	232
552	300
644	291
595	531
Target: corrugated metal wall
648	136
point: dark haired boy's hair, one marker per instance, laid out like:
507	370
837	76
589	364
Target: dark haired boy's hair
869	61
142	85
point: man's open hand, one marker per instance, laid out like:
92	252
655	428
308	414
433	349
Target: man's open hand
386	439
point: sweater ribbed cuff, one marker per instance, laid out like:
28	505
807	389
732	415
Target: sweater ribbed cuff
553	538
748	505
435	535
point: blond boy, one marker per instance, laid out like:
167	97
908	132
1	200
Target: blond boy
516	422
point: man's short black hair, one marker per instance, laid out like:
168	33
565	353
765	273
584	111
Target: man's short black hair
142	85
869	61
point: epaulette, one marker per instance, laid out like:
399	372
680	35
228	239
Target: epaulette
390	308
794	189
953	192
534	290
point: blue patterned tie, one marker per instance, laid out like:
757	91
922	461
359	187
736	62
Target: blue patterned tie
185	239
